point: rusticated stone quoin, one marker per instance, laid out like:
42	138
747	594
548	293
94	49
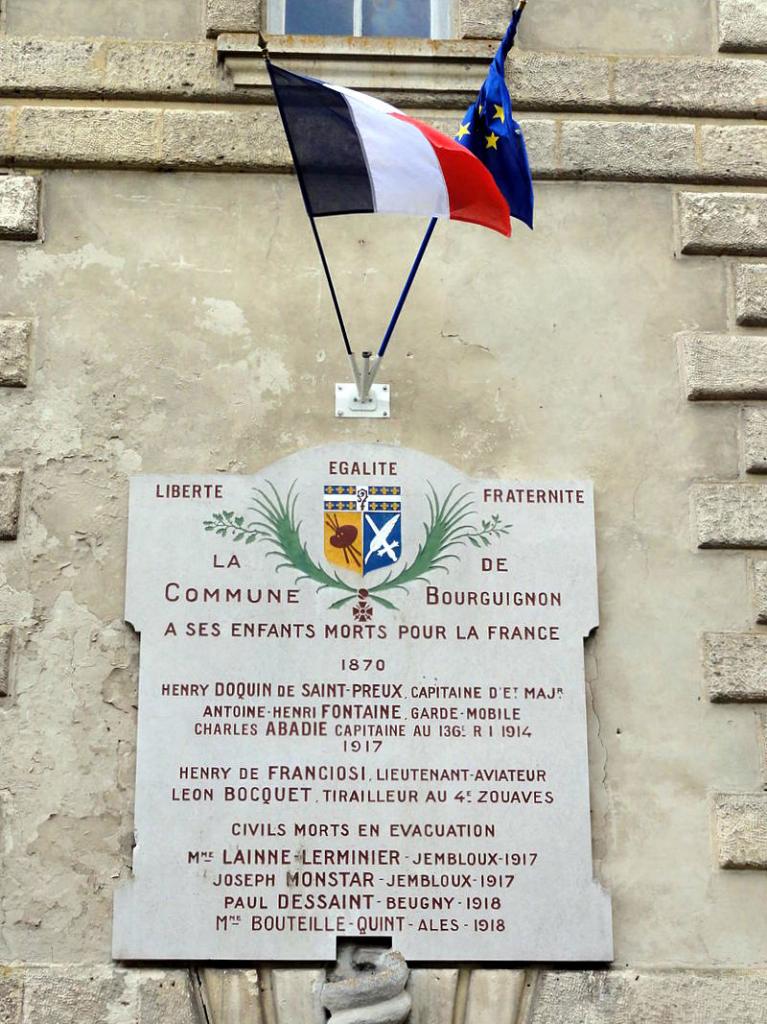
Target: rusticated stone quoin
735	667
649	997
759	589
721	223
19	206
6	640
754	440
743	25
10	502
723	367
736	153
741	830
14	353
762	726
730	515
751	294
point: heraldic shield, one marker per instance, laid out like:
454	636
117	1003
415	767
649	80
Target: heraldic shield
363	527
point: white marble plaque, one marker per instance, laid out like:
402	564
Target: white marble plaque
361	713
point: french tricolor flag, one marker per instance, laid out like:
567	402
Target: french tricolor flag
356	154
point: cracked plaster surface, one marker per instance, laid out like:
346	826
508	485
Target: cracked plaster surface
509	362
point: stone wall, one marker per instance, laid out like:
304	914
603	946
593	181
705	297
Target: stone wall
177	322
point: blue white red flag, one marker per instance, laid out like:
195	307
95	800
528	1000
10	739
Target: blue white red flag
356	154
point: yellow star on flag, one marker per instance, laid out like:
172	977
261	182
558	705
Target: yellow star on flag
499	114
463	130
492	140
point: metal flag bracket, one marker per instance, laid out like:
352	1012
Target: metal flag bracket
364	399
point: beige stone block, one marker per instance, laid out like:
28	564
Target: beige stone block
625	26
72	995
743	25
628	150
691	85
754	440
6	133
761	721
51	66
87	137
232	16
719	223
19	206
11	995
114	19
6	642
547	81
734	153
759	589
15	338
722	367
649	997
297	996
234	139
541	142
735	667
433	993
741	830
10	502
165	69
730	515
494	997
484	19
751	294
167	996
232	997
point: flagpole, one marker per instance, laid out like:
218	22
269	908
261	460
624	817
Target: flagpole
406	289
323	259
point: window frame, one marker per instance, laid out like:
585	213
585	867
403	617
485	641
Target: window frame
441	19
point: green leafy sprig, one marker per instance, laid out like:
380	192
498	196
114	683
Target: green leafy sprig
491	529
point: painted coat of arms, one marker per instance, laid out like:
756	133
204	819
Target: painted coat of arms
363	526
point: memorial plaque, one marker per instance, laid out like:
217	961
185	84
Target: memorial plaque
361	713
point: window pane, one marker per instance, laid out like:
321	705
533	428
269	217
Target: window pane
397	18
315	18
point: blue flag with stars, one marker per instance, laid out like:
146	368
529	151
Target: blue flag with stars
491	133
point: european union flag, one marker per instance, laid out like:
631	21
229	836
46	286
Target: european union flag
491	133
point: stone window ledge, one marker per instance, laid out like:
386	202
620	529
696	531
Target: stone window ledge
377	65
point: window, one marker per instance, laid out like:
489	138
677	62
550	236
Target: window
420	18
